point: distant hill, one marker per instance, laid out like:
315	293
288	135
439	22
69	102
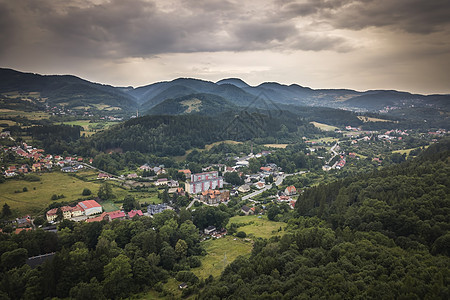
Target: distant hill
234	81
66	90
74	92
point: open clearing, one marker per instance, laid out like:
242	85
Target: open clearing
407	151
221	252
192	105
324	127
39	193
32	115
324	140
279	146
369	119
258	226
90	128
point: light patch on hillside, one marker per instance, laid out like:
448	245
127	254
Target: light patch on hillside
192	105
369	119
324	127
280	146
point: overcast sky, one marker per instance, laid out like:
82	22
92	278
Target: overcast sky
358	44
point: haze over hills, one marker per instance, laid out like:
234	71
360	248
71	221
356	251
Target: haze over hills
76	93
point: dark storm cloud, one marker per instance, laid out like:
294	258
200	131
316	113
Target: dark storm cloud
143	28
415	16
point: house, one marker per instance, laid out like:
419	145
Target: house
173	183
183	286
201	182
23	221
215	196
116	215
51	214
161	181
90	207
159	170
133	175
265	169
153	209
145	167
186	172
23	169
67	212
77	211
102	217
290	190
242	163
209	229
103	176
133	213
260	185
244	188
246	210
68	170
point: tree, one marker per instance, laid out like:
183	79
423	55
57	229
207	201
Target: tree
59	214
6	211
86	192
181	248
118	277
105	191
129	203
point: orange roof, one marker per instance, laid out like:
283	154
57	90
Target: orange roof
18	230
89	204
185	171
291	188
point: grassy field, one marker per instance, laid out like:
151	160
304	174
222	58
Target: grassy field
260	227
109	206
40	192
214	262
33	115
86	123
279	146
325	140
324	127
406	151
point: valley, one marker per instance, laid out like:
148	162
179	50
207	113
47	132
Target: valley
203	189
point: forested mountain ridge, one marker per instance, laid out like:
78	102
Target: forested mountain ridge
74	92
384	235
165	135
66	90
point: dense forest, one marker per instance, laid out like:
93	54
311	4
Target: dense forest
173	135
382	235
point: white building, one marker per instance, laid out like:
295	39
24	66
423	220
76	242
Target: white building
201	182
91	207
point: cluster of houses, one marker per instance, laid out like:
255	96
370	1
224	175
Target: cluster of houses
41	162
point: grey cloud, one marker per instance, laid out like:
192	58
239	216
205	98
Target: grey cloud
140	28
415	16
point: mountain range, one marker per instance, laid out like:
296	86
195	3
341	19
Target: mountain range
188	95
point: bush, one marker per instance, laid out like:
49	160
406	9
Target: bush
86	192
241	234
